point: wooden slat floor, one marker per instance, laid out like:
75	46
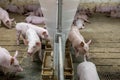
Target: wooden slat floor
105	47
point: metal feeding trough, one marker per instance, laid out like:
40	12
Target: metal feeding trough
59	15
47	66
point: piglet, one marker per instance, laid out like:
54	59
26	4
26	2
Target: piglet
35	20
22	27
31	7
87	71
8	63
115	14
34	43
38	12
15	9
4	17
78	42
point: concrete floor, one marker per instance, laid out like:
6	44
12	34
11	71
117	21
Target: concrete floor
104	50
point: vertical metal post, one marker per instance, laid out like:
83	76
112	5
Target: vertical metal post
59	23
59	29
61	66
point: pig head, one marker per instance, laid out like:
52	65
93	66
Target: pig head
83	48
14	64
33	48
8	63
8	22
78	42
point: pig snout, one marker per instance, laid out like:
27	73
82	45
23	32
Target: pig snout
29	53
20	69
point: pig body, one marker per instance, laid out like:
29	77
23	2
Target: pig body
115	14
34	43
80	23
4	17
9	63
31	7
38	12
105	9
87	71
15	9
35	20
22	27
78	42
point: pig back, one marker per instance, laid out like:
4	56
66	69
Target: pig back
4	57
87	71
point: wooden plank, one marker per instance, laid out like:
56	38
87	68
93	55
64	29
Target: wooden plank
104	50
8	42
102	40
108	68
14	48
107	62
105	55
106	45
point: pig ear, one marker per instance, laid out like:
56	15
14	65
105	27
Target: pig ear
38	43
82	44
16	53
11	61
89	42
44	33
12	19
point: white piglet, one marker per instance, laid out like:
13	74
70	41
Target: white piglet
9	64
34	43
78	42
4	17
35	20
22	27
87	71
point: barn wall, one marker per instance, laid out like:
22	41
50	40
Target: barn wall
93	3
86	3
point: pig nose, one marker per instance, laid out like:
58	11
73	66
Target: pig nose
20	70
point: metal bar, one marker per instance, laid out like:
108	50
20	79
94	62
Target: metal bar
59	23
59	30
61	68
56	57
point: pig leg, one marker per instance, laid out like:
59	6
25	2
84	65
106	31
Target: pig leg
87	56
76	52
18	37
24	40
33	57
86	20
0	22
40	55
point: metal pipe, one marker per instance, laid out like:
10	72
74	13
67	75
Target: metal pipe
61	68
59	23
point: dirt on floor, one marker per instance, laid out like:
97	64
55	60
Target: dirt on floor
104	49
